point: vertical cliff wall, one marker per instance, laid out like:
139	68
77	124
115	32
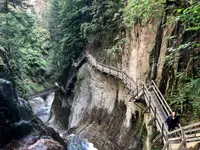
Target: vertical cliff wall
100	109
138	56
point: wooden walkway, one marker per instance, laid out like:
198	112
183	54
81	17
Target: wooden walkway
156	104
155	101
44	92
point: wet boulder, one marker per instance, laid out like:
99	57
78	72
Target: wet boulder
17	120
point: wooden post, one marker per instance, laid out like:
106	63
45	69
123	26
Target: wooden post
182	144
137	87
166	146
143	88
149	101
153	119
163	124
96	63
117	70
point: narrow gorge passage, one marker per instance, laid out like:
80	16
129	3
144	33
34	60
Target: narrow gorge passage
99	74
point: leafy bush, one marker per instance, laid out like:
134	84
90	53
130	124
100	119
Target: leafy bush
142	11
186	96
190	16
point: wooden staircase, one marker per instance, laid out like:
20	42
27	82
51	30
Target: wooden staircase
186	136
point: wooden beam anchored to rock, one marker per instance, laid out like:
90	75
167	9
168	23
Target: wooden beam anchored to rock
146	109
157	138
152	119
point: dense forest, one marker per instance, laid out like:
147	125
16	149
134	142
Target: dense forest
35	55
24	47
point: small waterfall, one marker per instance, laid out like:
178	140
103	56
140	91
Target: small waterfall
79	143
42	107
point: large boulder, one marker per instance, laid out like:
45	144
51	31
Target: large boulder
17	119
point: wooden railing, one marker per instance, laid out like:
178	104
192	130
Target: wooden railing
186	134
155	101
156	105
44	92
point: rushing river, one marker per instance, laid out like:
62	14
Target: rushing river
42	108
79	143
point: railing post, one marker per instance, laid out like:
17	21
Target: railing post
155	112
137	87
96	62
162	128
182	144
154	117
143	87
117	70
149	97
160	135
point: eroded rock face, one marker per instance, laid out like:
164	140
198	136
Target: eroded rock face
137	59
102	112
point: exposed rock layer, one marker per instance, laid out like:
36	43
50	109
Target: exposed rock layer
102	112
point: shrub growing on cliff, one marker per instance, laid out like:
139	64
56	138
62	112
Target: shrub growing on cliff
142	11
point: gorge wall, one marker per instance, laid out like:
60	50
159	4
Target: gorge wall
138	55
100	109
98	105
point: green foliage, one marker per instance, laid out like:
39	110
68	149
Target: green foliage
74	23
190	16
172	51
141	11
186	96
26	46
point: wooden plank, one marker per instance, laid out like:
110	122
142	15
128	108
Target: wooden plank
191	125
192	130
193	139
174	139
151	121
161	101
174	131
187	136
